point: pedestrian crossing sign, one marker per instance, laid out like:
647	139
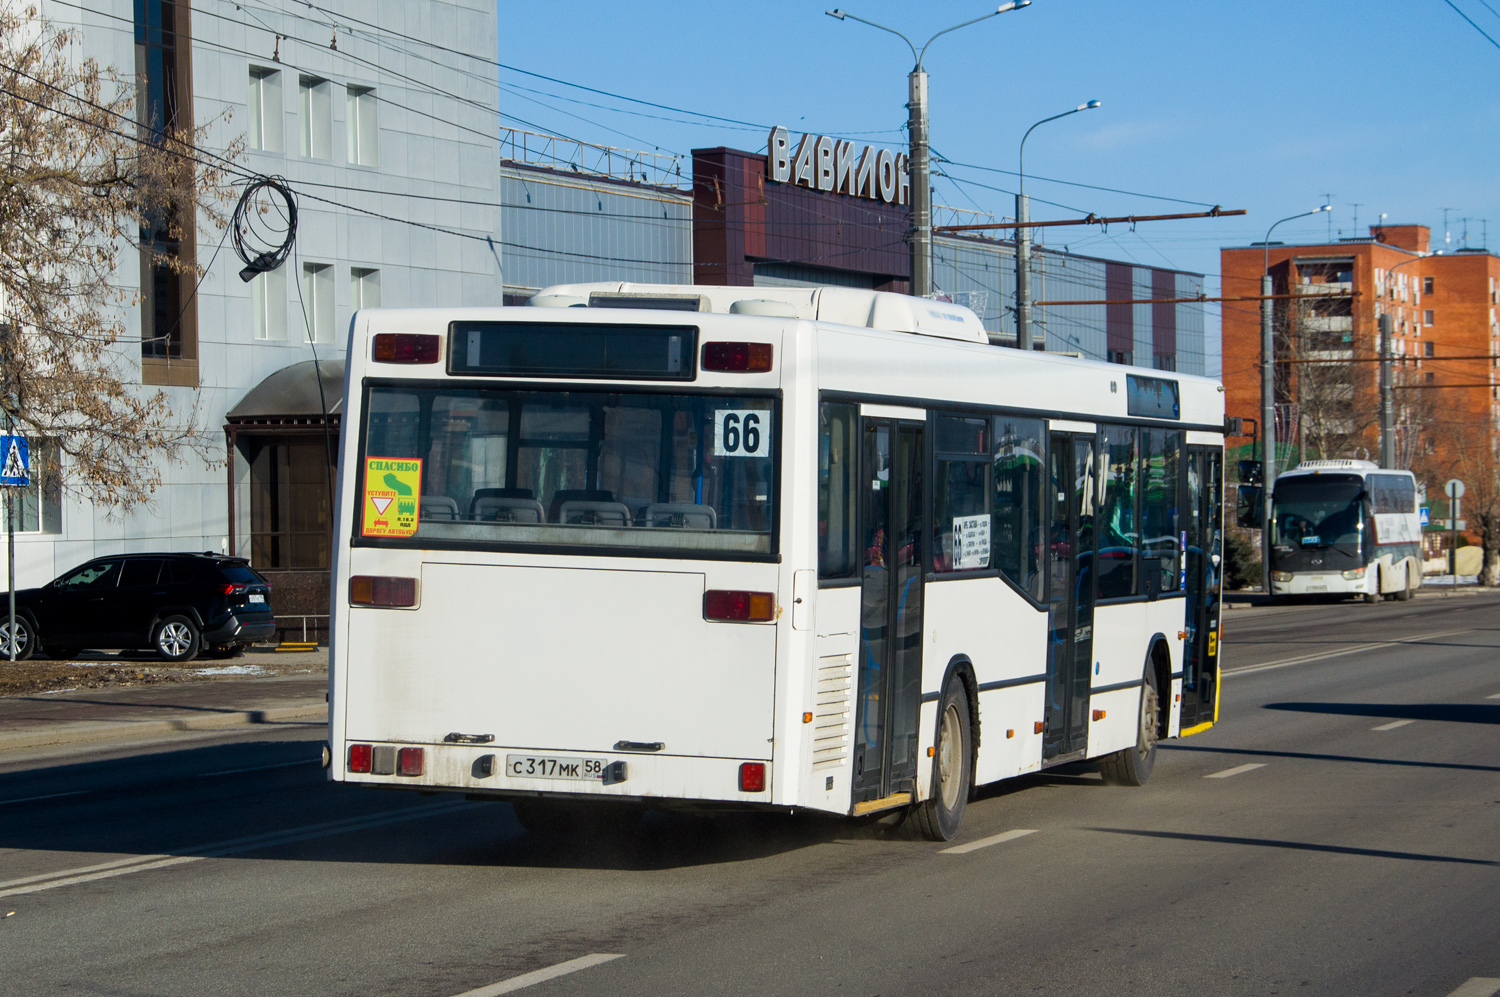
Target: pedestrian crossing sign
16	466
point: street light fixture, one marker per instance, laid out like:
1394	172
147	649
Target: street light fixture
1023	234
1268	400
921	183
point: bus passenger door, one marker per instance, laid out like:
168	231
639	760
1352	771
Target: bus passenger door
1070	592
1205	563
890	648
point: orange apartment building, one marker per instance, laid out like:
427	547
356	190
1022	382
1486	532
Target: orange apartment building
1444	333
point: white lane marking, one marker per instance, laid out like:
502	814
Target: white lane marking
1237	770
1324	655
1393	725
542	975
1478	986
1495	696
260	768
993	839
143	863
49	796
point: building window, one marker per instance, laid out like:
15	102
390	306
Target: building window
1428	348
265	110
1164	361
364	288
1120	356
362	123
169	327
269	293
1427	317
315	118
1426	285
37	506
317	302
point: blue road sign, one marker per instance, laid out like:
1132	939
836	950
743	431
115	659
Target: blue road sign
1426	516
15	461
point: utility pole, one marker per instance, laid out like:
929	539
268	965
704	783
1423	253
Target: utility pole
921	184
1387	399
920	165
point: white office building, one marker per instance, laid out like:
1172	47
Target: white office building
383	115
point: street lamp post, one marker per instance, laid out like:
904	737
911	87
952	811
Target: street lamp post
1023	234
921	183
1268	401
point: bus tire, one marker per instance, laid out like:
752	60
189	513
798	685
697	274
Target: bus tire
938	817
1372	597
1132	766
1403	594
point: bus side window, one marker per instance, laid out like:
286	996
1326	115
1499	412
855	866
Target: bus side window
1160	532
837	466
1118	530
962	523
1019	539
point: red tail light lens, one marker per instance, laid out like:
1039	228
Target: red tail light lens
406	347
376	590
232	589
359	758
747	358
738	607
753	777
409	761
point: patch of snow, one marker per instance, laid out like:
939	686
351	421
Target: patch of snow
54	692
232	670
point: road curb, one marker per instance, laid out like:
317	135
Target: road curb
74	733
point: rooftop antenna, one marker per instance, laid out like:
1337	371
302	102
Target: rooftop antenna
1447	238
1465	220
1357	206
1328	199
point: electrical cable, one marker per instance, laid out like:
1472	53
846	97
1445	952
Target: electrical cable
261	249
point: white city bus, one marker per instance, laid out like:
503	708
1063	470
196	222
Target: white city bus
821	549
1345	527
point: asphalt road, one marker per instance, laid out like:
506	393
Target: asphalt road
1337	833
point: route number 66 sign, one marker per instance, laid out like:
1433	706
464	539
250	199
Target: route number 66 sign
742	433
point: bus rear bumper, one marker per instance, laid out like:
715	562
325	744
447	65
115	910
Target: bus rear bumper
504	771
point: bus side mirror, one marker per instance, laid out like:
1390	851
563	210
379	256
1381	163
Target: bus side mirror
1248	506
1250	471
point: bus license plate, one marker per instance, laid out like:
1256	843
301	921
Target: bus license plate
554	767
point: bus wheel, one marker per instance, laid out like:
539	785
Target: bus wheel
1372	597
939	816
1403	593
1132	767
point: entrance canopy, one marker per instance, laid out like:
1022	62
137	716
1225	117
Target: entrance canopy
290	397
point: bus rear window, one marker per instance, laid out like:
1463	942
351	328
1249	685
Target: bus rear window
569	468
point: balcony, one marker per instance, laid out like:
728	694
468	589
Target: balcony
1332	289
1328	323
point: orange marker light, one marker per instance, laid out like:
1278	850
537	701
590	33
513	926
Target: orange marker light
1039	726
1098	714
1010	733
807	718
931	751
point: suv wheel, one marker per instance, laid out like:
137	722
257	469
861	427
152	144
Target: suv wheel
177	639
24	638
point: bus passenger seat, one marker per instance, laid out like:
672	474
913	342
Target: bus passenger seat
594	513
683	515
509	510
439	507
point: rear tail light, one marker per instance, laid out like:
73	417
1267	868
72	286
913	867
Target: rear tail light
232	589
748	358
732	606
377	590
753	777
409	761
359	757
405	347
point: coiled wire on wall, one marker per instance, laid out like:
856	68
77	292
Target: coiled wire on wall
264	226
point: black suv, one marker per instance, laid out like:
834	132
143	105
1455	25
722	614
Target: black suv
178	604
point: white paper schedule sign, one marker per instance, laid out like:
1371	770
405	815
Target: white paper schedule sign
742	433
971	542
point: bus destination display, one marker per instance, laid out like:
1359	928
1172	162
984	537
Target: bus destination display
555	349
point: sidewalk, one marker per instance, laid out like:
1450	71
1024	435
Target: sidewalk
46	719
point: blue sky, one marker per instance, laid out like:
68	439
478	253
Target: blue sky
1267	106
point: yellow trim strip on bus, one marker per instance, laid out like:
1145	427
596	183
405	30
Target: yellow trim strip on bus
886	803
1196	730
